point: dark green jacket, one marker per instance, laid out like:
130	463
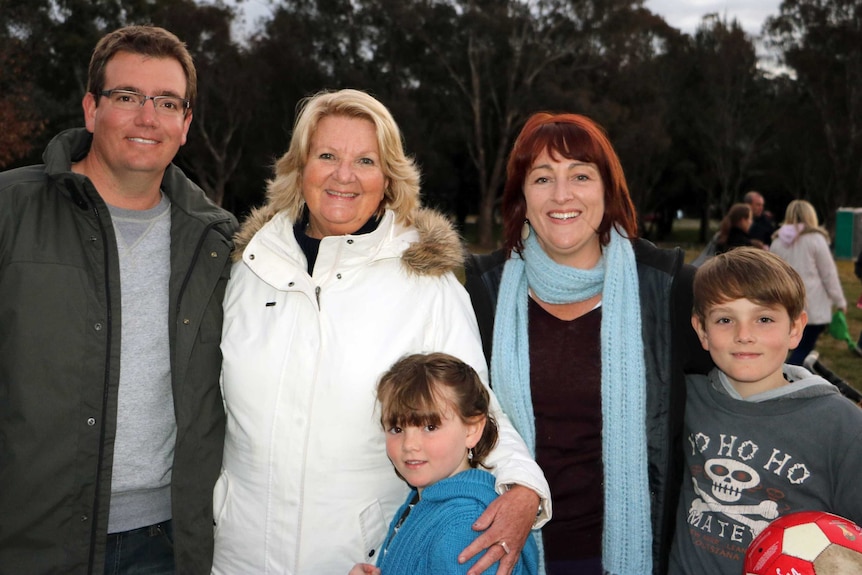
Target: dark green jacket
60	364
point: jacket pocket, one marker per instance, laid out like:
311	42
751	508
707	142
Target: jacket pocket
221	491
373	531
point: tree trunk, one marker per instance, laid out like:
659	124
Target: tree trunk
486	224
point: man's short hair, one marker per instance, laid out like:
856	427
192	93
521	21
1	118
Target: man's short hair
749	197
149	41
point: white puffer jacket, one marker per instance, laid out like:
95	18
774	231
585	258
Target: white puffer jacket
306	487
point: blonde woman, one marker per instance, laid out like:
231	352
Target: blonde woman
805	246
340	274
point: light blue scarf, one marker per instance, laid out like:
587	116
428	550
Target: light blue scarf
627	537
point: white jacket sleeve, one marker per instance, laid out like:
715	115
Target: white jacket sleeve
457	333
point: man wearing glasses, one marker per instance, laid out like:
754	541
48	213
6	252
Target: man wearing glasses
113	265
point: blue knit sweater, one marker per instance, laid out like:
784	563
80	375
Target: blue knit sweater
440	526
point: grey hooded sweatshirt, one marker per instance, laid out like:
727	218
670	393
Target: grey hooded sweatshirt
795	448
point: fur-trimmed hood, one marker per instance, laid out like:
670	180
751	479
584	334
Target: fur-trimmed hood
439	249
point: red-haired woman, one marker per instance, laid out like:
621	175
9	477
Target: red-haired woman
591	329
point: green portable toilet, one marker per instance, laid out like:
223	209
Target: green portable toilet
848	233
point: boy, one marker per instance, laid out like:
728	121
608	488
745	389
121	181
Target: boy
762	438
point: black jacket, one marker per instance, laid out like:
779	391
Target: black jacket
736	238
60	360
671	348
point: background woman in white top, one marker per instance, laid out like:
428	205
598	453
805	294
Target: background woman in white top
805	246
340	274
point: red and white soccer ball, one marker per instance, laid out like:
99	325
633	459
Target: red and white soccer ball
806	543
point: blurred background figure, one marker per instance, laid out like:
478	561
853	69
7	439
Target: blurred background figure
763	224
805	246
733	231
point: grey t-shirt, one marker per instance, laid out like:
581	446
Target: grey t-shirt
146	426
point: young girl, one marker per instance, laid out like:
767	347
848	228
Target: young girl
434	410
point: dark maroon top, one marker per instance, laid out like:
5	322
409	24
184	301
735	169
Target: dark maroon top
565	381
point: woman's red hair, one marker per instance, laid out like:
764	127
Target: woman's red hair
574	137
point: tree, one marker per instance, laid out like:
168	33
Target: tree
227	92
60	36
630	97
722	114
478	62
797	165
288	59
821	41
19	115
57	38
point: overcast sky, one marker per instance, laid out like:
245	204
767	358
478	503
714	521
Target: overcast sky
682	14
687	14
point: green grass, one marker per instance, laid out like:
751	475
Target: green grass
834	354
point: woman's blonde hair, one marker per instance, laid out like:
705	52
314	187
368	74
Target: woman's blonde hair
401	195
802	212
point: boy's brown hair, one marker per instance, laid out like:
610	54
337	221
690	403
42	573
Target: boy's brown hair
409	393
748	273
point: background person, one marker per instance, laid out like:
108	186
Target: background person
341	274
733	231
763	224
435	413
589	340
802	243
112	270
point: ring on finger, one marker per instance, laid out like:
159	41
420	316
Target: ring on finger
504	546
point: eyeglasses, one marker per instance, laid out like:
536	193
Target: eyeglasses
131	101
